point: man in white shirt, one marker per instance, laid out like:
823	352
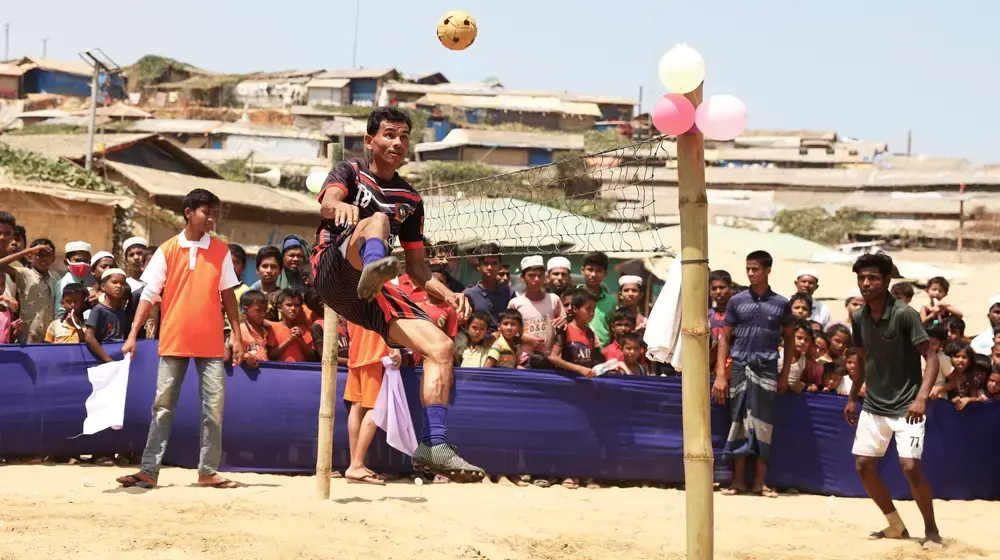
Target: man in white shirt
983	343
807	280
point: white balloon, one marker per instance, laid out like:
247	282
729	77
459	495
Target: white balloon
682	69
315	180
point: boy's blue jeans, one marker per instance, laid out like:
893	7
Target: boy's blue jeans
212	387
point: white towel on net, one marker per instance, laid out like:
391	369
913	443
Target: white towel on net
392	412
663	328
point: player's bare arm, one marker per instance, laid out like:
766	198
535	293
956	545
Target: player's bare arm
334	208
851	408
721	386
918	409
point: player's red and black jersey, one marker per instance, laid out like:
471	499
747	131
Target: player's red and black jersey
579	346
394	198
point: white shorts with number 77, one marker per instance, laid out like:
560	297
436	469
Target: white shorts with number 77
874	433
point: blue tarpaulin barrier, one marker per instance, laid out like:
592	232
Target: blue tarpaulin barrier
509	422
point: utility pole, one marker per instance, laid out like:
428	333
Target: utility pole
99	61
909	142
357	23
6	41
45	47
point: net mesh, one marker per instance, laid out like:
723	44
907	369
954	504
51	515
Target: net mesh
600	201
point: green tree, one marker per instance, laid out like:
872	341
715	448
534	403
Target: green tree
816	224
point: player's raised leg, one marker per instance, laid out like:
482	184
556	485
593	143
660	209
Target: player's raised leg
434	454
367	252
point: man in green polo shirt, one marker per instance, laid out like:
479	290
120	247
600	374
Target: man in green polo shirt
890	342
595	269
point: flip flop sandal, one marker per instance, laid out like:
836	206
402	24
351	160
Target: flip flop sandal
542	483
224	484
879	535
373	479
132	481
570	484
733	491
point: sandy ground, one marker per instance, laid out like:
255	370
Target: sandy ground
70	512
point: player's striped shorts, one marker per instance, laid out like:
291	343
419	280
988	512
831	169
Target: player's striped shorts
337	285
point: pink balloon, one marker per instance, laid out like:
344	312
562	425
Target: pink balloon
673	114
721	117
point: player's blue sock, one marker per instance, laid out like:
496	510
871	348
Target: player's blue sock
435	431
372	250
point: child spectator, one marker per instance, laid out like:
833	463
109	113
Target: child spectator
78	271
839	338
99	263
802	306
816	327
69	328
820	350
446	253
720	284
852	365
506	349
567	303
622	322
35	288
937	290
632	354
134	249
10	325
317	324
595	269
503	276
258	337
629	295
472	345
938	336
541	312
807	282
993	387
852	303
108	321
151	327
295	343
804	370
268	270
489	295
239	257
956	330
963	359
440	312
973	387
902	291
18	244
833	374
576	348
364	380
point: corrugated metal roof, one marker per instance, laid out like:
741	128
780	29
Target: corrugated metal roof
66	66
511	103
515	223
61	191
209	155
835	178
175	126
7	69
503	139
359	73
70	146
331	83
480	88
121	110
249	129
176	185
282	75
45	114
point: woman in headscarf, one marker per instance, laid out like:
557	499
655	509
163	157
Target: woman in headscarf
296	272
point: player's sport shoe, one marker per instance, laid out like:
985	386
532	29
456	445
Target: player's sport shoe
376	274
444	460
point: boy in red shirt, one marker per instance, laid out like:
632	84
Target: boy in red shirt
295	342
258	336
191	270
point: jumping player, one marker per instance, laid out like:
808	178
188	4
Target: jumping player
890	341
366	205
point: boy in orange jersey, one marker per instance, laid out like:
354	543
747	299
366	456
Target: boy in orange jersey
192	270
364	380
295	342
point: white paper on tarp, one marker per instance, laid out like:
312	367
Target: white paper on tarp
392	412
663	328
106	404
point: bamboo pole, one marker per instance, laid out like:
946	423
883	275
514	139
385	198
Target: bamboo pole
327	395
698	459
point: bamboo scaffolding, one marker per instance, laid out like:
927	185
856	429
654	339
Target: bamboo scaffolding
698	458
327	395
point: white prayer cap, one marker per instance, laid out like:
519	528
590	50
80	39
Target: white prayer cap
75	246
855	293
807	272
112	272
98	256
994	300
629	279
134	241
559	262
534	261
